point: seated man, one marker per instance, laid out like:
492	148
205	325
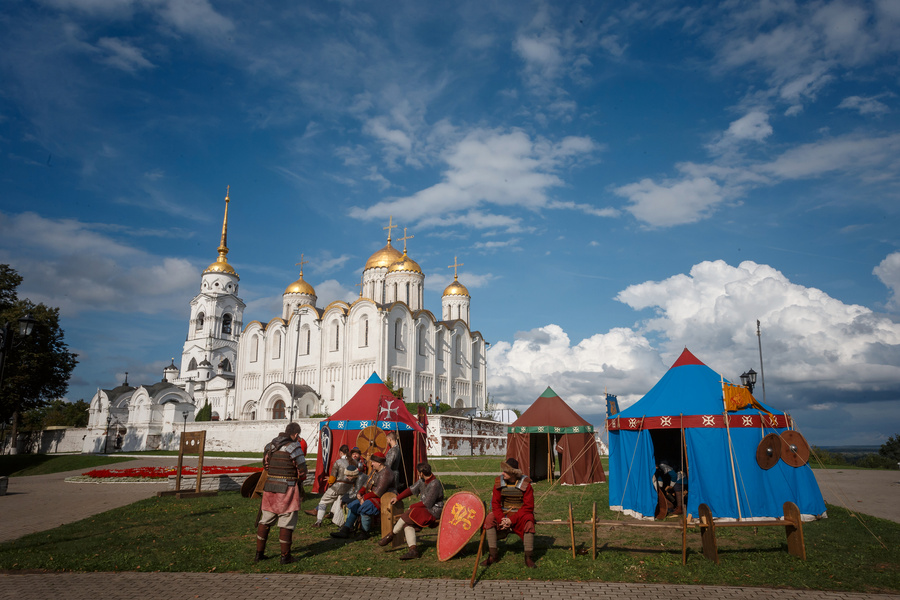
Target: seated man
368	500
426	513
340	480
512	510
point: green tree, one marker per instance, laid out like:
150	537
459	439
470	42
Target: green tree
398	393
37	367
205	413
58	413
891	448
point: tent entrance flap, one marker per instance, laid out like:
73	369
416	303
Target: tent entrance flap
667	446
539	457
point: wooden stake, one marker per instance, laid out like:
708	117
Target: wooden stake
594	530
477	559
572	529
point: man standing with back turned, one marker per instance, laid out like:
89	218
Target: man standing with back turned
285	465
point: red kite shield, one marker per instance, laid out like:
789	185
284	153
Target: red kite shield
462	516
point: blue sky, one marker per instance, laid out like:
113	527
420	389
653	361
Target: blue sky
620	180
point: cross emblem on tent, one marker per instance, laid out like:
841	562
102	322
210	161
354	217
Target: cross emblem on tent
632	423
665	421
708	420
748	420
387	410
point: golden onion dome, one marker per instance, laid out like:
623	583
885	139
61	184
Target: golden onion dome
221	266
300	287
385	257
456	289
405	264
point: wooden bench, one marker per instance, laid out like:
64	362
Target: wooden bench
792	523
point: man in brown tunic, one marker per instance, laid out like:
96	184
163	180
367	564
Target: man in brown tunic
425	513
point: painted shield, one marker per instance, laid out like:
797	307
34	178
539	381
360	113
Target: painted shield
462	517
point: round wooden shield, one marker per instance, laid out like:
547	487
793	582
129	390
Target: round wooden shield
769	451
462	517
795	450
372	439
250	484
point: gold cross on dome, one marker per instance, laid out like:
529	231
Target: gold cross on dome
404	238
455	264
389	227
301	263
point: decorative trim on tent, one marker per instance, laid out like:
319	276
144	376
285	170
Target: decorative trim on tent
550	429
354	425
711	421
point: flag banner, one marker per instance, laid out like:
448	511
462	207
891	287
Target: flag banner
738	397
612	405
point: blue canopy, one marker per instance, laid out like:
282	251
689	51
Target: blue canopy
689	399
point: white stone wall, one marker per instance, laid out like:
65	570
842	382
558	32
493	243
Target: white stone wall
447	436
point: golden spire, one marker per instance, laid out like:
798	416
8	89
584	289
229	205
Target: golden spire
221	265
300	264
300	286
455	288
223	246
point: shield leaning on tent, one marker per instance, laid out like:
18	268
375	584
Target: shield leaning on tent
461	518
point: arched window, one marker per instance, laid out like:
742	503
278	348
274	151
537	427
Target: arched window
308	339
407	293
439	345
336	329
226	324
278	410
364	332
254	348
398	334
200	319
421	339
303	342
457	353
226	365
192	366
276	345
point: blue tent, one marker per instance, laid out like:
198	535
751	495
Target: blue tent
685	411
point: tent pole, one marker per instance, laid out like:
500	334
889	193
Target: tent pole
737	498
762	371
683	465
549	460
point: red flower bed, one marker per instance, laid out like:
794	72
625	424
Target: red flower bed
163	472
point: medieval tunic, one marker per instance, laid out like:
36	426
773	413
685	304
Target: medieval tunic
285	462
382	482
392	461
426	512
515	502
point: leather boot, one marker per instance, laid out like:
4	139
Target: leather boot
361	535
493	557
529	562
262	536
412	553
285	537
386	539
343	533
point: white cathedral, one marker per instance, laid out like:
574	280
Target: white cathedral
308	360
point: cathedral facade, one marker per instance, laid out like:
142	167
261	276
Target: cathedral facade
310	360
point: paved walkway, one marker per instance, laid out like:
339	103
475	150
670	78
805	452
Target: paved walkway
165	586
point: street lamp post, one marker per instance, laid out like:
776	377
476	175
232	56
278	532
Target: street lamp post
749	379
184	415
296	352
108	421
472	434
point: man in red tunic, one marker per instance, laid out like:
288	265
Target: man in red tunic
425	513
512	510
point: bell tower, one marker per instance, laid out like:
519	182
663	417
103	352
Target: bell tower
216	317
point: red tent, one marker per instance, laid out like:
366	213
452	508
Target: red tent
551	425
372	405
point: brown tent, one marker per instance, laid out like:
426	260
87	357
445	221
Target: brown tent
551	425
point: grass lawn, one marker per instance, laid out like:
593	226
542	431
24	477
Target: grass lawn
20	465
217	534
